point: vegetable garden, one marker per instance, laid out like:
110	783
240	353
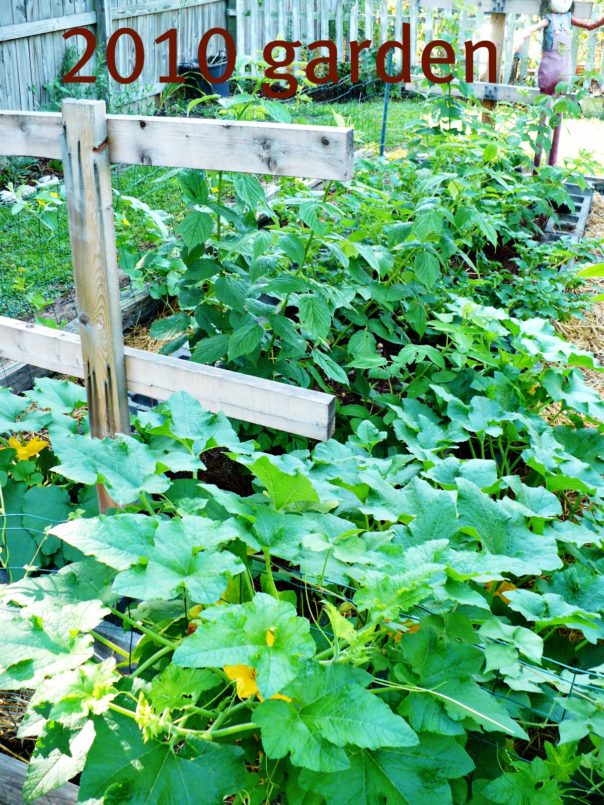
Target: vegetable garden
200	609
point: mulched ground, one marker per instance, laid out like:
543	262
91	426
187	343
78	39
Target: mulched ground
13	705
588	332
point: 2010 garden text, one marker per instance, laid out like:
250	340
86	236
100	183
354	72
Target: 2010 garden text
280	56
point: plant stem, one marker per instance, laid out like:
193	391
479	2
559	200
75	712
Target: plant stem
117	649
147	504
151	660
219	201
270	579
4	562
122	710
149	632
210	736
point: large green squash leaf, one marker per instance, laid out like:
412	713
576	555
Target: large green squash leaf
329	708
159	558
417	775
122	768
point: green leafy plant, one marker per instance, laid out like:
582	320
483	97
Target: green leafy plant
359	616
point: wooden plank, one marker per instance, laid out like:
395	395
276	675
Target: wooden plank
369	19
104	26
413	26
384	22
497	36
12	777
353	26
146	9
481	90
137	308
241	43
89	199
398	28
339	18
251	399
312	152
527	7
23	30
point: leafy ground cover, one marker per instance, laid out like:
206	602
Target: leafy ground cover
410	612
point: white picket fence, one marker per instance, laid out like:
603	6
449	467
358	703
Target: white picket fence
262	21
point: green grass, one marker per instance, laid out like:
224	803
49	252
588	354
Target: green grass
35	261
366	117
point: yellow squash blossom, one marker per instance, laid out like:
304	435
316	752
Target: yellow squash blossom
245	677
504	587
27	450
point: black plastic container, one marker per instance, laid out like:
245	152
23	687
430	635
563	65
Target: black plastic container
197	85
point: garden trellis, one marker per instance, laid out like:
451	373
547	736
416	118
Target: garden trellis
89	141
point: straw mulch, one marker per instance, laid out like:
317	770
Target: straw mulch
13	705
139	338
588	332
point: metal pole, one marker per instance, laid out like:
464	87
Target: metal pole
386	104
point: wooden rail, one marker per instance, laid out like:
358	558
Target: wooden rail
252	399
317	152
12	777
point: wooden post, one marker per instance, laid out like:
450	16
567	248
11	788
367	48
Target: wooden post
498	38
104	29
232	26
89	200
103	22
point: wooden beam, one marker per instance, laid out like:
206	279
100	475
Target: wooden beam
104	25
35	134
495	92
137	308
311	152
497	36
159	7
24	30
527	7
12	775
250	399
89	199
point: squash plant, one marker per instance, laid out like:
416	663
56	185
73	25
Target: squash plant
378	618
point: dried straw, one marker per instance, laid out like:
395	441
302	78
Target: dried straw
588	332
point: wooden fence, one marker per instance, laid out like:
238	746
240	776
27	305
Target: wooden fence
342	21
32	47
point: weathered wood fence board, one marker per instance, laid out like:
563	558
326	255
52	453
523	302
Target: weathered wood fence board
12	777
278	149
32	48
263	402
